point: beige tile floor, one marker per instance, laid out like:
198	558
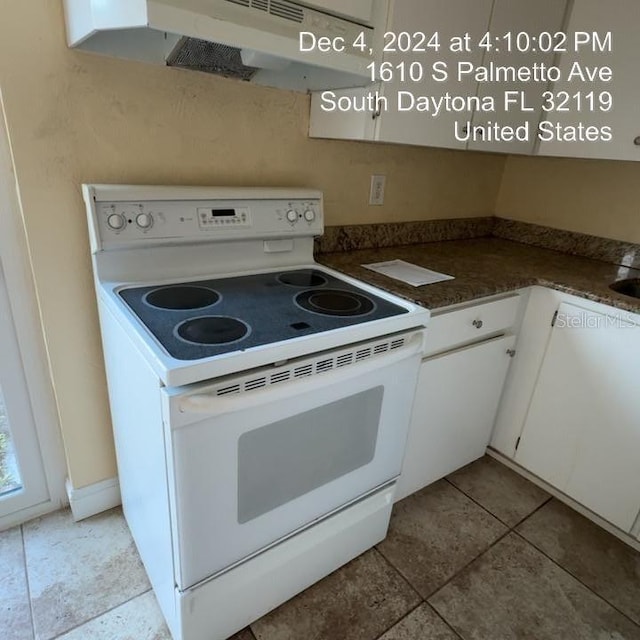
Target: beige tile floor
482	555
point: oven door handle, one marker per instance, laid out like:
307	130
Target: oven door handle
212	404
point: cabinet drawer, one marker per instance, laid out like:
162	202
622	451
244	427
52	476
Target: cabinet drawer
450	329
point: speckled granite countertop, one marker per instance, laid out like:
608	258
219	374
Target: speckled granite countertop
487	266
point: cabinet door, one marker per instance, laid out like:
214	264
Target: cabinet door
454	410
449	18
356	123
622	19
582	433
515	16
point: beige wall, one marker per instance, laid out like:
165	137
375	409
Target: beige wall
598	197
76	118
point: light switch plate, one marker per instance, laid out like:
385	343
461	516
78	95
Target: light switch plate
376	193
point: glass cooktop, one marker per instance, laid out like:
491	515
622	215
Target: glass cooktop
194	320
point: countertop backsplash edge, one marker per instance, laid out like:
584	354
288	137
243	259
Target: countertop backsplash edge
342	238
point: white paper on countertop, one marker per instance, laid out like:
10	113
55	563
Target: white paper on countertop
406	272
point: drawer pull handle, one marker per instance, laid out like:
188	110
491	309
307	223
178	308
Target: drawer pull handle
477	324
511	353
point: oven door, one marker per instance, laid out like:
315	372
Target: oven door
249	466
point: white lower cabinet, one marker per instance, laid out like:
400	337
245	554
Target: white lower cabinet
454	410
568	413
582	431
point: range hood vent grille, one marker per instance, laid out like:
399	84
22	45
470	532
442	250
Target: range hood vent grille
210	57
278	8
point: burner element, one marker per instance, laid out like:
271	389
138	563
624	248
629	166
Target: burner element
333	302
182	297
212	330
303	278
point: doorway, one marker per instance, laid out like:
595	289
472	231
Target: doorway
32	462
22	480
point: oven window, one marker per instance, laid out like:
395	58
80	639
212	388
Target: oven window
282	461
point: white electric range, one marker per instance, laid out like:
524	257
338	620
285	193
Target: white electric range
260	402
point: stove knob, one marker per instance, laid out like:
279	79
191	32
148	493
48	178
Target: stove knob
292	215
116	221
309	215
144	220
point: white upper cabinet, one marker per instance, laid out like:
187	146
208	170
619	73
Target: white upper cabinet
393	115
582	432
622	19
514	17
404	122
416	103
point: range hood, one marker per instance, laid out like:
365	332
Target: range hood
254	40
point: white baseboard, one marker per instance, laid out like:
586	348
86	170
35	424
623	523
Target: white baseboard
94	498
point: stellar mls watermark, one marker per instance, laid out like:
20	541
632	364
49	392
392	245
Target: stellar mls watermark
596	321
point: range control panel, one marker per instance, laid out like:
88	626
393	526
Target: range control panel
121	224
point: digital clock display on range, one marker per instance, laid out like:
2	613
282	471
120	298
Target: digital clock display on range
226	217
